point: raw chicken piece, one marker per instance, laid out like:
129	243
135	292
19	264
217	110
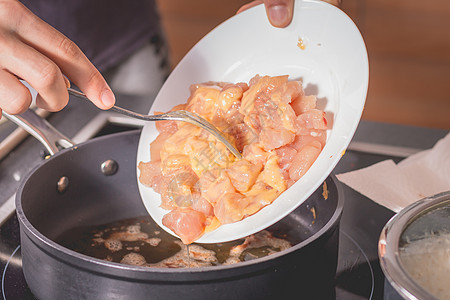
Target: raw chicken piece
255	154
203	101
166	202
175	144
227	106
179	107
180	187
208	154
275	138
303	104
227	118
156	146
229	95
243	174
260	87
286	154
230	208
174	163
202	205
311	119
272	175
176	187
202	152
269	185
212	188
168	127
151	175
242	135
304	159
312	135
259	196
187	223
268	113
288	92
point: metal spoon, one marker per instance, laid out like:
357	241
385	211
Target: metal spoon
177	115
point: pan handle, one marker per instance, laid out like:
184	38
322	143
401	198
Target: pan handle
42	130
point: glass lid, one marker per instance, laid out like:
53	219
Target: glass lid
424	249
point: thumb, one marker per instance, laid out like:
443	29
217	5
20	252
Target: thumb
279	12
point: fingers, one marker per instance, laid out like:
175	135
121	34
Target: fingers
36	52
15	98
39	71
279	12
71	60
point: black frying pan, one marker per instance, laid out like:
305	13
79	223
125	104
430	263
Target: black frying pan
91	197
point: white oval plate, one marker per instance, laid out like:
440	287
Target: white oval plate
333	66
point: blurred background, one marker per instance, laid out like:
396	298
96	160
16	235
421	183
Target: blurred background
408	43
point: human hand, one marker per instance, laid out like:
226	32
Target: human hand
279	12
32	50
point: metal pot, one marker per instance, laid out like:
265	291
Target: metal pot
409	249
74	188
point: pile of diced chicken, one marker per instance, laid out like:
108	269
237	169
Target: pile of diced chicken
271	121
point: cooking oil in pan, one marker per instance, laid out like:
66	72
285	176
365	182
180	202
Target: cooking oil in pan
139	241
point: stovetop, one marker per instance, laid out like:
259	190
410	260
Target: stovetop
358	275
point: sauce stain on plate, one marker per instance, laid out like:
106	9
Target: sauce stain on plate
301	44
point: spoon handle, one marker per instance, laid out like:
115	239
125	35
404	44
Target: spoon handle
115	108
